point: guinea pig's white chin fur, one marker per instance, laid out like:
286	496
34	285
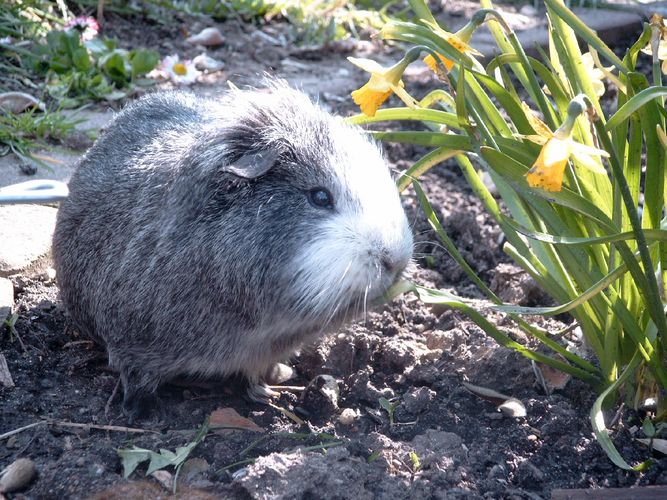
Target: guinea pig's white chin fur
340	274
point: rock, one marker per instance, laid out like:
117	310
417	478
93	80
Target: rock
6	298
348	416
25	232
203	62
17	102
528	475
439	447
208	37
17	475
416	400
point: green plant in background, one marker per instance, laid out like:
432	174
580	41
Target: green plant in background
20	133
78	70
312	21
582	192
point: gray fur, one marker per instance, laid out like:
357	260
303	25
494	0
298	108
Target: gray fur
177	247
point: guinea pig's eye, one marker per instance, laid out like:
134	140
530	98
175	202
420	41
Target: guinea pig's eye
320	197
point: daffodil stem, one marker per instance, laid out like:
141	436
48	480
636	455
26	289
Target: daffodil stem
652	290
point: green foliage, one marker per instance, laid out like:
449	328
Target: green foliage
312	21
389	407
23	132
570	189
96	69
132	457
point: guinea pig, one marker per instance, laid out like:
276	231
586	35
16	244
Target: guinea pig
211	237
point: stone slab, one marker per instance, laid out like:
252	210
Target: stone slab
25	236
6	299
610	25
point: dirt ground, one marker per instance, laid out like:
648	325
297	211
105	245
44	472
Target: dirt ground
412	355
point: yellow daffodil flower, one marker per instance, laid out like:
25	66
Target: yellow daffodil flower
557	147
458	40
455	42
594	73
383	82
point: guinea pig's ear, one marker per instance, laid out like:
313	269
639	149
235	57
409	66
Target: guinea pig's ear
252	165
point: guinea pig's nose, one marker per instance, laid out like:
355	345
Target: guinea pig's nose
392	263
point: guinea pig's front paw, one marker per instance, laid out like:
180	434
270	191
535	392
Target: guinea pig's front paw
140	405
259	392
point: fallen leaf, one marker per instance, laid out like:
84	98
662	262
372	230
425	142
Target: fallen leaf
486	393
550	378
657	444
228	417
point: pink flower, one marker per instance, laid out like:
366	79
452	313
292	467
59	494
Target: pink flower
87	26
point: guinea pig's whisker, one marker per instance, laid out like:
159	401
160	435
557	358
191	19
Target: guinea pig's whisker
349	265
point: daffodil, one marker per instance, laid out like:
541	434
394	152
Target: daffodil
458	40
658	41
557	147
180	72
596	73
383	82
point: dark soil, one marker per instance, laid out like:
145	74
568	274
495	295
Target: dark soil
412	355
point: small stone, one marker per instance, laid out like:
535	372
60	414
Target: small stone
528	474
164	478
208	37
49	275
279	373
17	475
206	63
497	472
348	416
417	400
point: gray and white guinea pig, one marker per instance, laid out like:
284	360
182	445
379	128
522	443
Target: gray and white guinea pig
214	237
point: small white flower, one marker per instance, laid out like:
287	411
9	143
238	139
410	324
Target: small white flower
180	72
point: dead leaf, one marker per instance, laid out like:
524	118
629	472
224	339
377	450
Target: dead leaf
657	444
550	378
228	417
485	393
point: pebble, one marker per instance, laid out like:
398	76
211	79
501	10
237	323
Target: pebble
417	400
348	416
208	37
17	475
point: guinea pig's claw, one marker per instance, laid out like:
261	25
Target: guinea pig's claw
261	393
138	406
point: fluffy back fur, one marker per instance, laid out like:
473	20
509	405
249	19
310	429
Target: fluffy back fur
196	238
